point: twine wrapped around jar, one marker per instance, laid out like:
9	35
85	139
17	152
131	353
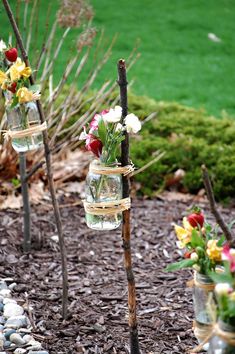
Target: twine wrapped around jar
13	134
216	330
108	207
116	170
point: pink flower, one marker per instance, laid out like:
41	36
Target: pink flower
94	123
228	254
94	145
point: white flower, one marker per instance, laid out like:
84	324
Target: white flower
119	127
113	115
194	256
2	45
222	288
83	134
132	123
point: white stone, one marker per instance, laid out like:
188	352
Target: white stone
8	300
12	309
17	339
12	286
34	345
27	338
5	293
20	351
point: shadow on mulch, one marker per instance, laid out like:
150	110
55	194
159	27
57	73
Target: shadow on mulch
97	321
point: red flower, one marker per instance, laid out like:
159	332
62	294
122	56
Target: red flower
13	87
11	54
94	145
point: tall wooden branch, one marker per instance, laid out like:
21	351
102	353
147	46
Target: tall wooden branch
126	234
49	168
214	210
26	204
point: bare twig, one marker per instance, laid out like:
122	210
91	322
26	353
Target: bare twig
126	234
49	169
214	210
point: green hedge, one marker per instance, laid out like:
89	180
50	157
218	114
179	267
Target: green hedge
189	138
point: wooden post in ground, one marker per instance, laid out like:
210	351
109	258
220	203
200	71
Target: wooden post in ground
49	167
126	234
26	204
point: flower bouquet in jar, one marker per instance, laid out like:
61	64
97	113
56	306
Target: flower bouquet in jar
23	118
202	247
223	334
104	203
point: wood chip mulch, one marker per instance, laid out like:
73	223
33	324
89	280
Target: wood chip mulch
97	321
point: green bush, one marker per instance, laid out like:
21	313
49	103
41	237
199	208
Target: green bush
189	138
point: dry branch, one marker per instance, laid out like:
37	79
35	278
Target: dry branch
214	210
126	234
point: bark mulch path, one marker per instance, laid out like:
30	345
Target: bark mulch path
97	321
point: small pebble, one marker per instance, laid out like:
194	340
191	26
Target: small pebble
20	351
5	292
1	328
16	322
27	338
17	339
1	307
8	300
12	309
12	286
7	344
3	285
34	345
2	320
8	333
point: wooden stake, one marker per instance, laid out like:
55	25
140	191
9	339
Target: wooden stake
210	195
126	234
49	168
26	204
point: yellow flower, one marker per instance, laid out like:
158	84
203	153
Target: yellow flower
213	251
183	234
3	77
19	70
24	95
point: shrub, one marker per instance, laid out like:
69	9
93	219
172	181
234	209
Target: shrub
189	138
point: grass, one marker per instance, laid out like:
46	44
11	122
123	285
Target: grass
178	62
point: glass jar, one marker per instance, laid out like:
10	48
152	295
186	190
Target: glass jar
218	344
101	188
21	117
203	293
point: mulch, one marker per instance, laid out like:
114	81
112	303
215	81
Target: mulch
97	321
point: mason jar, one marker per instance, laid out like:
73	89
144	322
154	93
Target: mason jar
220	343
21	117
103	188
203	293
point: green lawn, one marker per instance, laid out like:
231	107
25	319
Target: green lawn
178	62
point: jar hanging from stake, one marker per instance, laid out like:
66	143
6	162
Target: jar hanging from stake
24	126
203	293
103	196
223	340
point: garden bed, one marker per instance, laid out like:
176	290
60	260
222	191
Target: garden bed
97	321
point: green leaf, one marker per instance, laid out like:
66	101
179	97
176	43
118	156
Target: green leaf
102	131
197	240
185	263
221	241
15	101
